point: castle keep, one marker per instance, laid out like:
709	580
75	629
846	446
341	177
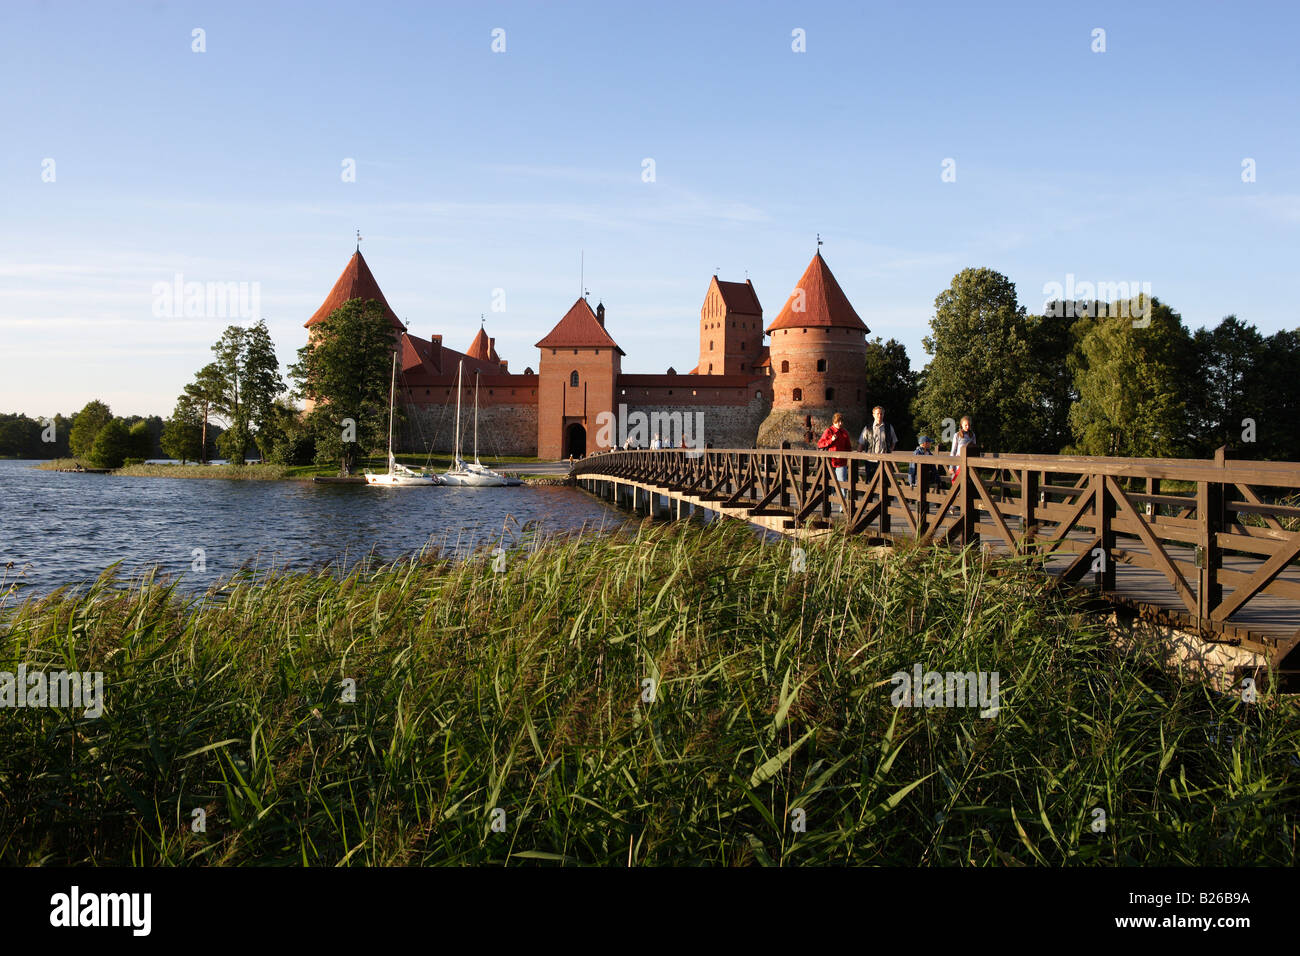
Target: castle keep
741	393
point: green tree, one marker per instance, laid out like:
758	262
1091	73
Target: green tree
112	446
1227	388
141	441
1276	405
20	437
1132	383
891	383
182	435
245	380
284	438
86	427
205	393
345	369
1054	341
983	365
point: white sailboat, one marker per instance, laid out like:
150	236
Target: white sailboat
398	474
476	475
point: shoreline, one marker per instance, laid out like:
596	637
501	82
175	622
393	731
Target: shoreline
264	472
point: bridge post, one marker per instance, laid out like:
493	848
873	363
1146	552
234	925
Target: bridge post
1103	506
922	499
884	498
1210	512
1028	509
969	527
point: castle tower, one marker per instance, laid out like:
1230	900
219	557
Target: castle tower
818	352
579	367
355	282
731	329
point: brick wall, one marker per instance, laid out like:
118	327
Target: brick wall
724	426
503	429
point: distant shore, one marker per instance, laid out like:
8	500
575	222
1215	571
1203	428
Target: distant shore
267	472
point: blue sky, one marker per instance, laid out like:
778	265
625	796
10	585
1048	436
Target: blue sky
478	170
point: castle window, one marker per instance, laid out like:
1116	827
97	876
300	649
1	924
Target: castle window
489	391
742	346
597	351
575	351
758	394
573	379
830	394
552	351
710	368
710	345
426	391
733	324
670	391
798	395
785	367
821	365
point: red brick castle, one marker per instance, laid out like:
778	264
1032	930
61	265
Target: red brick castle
742	392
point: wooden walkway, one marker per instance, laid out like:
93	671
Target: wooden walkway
1208	546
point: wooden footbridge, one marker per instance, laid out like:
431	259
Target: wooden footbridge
1210	547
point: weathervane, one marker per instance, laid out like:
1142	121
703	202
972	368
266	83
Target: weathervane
819	242
358	240
480	320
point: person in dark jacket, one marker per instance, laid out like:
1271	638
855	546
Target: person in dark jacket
924	446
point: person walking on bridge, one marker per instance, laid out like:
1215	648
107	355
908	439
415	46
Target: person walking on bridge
836	438
964	436
878	438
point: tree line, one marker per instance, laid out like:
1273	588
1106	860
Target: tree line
1122	379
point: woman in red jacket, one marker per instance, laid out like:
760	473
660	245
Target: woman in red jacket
837	439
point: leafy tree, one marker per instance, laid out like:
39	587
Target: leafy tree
1227	388
20	437
182	436
112	446
241	385
984	365
1132	384
141	441
345	368
285	438
1276	402
1053	341
86	427
205	393
891	383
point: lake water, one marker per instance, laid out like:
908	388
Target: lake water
60	528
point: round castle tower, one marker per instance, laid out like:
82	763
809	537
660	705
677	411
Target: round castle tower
818	352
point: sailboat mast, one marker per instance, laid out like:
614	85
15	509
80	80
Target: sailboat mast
392	401
476	416
460	369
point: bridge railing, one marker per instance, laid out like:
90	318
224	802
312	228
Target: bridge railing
1220	532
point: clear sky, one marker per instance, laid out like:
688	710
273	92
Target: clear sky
478	170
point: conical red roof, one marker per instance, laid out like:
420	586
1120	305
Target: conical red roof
578	330
356	282
824	303
479	348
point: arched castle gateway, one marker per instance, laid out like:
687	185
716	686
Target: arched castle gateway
580	400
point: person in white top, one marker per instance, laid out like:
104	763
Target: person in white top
964	436
656	444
